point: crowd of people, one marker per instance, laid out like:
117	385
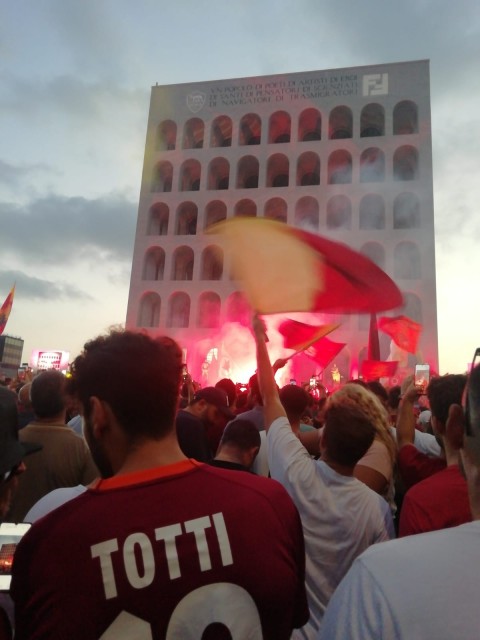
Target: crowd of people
161	509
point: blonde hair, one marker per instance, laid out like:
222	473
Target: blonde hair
371	406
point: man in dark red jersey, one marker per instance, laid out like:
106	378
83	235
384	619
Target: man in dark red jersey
161	546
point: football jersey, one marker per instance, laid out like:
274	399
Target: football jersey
171	552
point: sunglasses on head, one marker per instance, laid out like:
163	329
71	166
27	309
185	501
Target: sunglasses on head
468	423
8	475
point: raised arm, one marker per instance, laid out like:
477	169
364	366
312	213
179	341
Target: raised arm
406	418
272	406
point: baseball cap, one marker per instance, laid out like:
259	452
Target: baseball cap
217	397
12	451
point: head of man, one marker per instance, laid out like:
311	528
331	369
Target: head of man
128	381
442	392
254	394
347	435
47	395
211	405
240	442
227	385
295	400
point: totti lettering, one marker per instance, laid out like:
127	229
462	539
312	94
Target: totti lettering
140	545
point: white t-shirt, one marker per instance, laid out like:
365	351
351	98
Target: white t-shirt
52	500
422	587
424	442
340	515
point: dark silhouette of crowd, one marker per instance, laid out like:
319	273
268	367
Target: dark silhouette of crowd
163	509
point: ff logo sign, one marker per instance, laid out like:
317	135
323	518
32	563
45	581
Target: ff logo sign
375	84
195	101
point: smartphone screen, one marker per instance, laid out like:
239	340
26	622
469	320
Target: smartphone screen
422	376
10	536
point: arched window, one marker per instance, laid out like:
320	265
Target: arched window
308	169
310	125
211	264
215	211
405	118
154	264
405	163
340	123
372	212
279	127
372	121
375	252
162	177
149	310
276	209
193	134
339	213
372	165
182	264
340	167
218	174
238	309
158	220
166	135
178	315
247	173
406	260
307	214
190	173
250	129
208	315
277	171
221	132
406	211
245	208
186	223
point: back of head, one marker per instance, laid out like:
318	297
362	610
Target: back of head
230	389
379	390
294	400
47	394
472	415
24	395
370	405
444	391
348	432
138	376
242	434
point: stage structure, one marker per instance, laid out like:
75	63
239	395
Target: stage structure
345	153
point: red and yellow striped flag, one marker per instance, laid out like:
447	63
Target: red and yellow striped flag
5	309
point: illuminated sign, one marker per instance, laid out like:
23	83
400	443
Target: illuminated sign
42	359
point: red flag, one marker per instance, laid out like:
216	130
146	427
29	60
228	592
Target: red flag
283	269
324	351
375	369
299	336
402	330
5	309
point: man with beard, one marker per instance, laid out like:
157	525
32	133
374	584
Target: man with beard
161	545
207	412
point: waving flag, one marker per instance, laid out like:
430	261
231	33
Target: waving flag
299	336
5	309
375	369
283	269
403	331
323	351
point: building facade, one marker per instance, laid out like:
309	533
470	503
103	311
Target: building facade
345	153
11	350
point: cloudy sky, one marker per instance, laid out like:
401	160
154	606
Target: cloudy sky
74	98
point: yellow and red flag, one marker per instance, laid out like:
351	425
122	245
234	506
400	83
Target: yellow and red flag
5	309
299	336
283	269
402	330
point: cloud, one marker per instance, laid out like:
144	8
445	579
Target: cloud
60	230
13	175
28	287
